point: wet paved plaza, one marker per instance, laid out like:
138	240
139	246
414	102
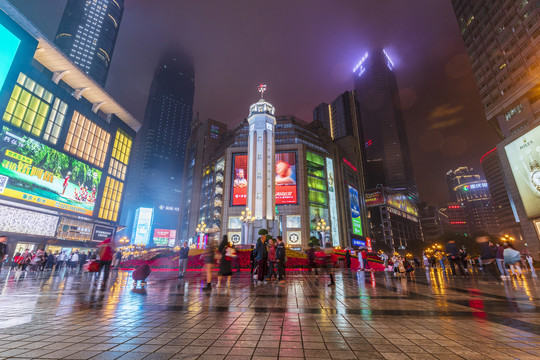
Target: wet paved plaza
364	316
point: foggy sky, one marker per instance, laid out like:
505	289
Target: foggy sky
305	50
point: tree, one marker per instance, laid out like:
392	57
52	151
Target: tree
314	242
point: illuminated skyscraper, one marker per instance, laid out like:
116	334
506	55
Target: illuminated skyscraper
87	34
502	39
156	179
385	138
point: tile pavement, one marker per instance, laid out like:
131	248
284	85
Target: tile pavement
365	316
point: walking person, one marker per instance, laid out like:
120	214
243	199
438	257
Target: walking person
348	259
252	261
225	265
3	250
209	258
183	261
271	259
49	264
311	259
531	264
499	258
361	260
61	260
26	258
105	257
487	255
74	260
82	260
280	259
453	256
261	256
440	257
512	258
37	260
463	258
16	261
425	258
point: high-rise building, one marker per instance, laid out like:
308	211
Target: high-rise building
156	179
503	204
87	34
340	117
383	125
434	222
502	39
471	194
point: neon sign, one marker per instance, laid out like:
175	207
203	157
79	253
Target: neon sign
350	164
359	65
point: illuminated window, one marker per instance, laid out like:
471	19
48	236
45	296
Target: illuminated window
120	155
110	202
28	106
56	120
87	140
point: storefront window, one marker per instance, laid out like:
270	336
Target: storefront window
76	230
87	140
28	106
110	203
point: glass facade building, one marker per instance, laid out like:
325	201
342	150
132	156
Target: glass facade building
63	154
87	34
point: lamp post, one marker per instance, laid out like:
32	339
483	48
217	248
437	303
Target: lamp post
507	238
322	227
246	217
123	241
201	231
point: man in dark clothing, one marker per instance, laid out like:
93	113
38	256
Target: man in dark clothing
453	255
82	260
348	259
3	250
182	263
280	259
261	256
252	259
487	255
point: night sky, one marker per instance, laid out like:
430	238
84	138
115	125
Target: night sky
305	51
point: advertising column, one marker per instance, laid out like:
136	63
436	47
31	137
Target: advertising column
334	224
143	224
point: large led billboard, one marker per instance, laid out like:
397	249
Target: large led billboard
524	158
33	172
239	191
334	226
8	50
286	178
374	198
164	237
143	224
286	187
355	211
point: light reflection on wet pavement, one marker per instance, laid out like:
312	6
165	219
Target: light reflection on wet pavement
430	316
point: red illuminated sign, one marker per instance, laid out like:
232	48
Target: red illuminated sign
457	222
368	244
349	164
374	198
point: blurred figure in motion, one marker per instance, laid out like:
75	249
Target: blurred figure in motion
209	258
61	260
499	258
512	258
440	257
252	259
426	260
311	259
487	255
324	258
531	264
51	260
348	259
183	261
225	265
105	257
141	273
16	261
3	250
453	256
271	259
82	260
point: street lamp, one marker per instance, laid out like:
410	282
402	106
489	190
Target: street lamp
246	217
507	238
201	231
123	241
322	227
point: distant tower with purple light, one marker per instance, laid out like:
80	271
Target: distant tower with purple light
385	137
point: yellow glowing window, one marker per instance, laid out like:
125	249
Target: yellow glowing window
87	140
110	203
28	106
56	120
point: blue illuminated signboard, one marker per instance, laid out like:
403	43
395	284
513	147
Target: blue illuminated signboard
8	49
143	224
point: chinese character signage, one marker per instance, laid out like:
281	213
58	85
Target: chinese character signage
355	211
36	173
524	158
374	198
164	237
102	232
239	192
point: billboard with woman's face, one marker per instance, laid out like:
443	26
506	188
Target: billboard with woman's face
286	178
240	171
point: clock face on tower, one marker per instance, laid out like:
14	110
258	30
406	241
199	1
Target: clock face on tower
268	126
